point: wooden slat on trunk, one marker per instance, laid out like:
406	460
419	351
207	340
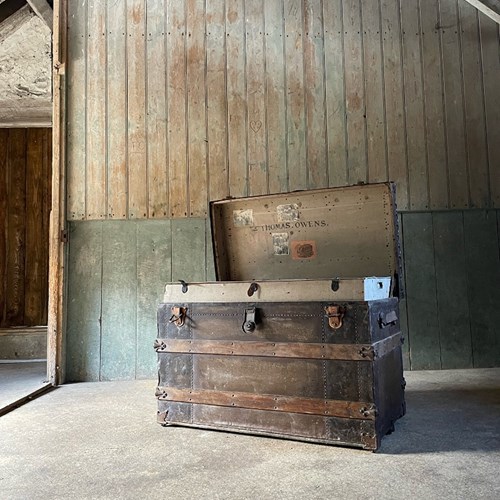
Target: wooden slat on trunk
311	406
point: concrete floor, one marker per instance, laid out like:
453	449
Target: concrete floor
100	440
19	379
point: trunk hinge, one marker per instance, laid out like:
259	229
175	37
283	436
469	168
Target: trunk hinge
64	237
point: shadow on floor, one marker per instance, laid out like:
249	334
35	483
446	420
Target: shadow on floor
20	379
443	420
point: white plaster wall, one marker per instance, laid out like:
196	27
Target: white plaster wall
25	70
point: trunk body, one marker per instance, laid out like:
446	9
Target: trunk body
312	349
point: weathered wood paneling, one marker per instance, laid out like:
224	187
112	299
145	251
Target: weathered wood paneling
157	150
172	103
452	267
84	303
451	290
154	269
25	171
118	320
425	348
449	316
117	274
4	141
483	277
175	103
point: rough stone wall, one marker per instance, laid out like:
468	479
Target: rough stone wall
25	70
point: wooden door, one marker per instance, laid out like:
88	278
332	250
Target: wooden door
25	200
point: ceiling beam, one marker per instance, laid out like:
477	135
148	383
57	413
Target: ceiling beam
43	10
9	7
489	7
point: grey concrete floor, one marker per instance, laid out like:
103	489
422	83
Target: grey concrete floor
19	379
100	440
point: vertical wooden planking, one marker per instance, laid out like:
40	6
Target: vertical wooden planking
255	93
47	204
335	92
315	97
156	120
477	154
403	305
153	272
394	100
176	97
421	292
136	107
4	141
16	220
83	330
196	108
76	109
483	276
451	280
116	81
490	51
56	354
236	98
453	104
218	187
374	85
188	250
275	97
434	106
355	92
294	56
119	300
34	283
414	107
95	190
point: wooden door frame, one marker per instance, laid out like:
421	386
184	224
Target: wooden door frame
57	231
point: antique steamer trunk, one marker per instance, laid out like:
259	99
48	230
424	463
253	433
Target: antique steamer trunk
300	338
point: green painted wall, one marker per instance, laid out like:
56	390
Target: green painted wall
116	276
452	267
118	269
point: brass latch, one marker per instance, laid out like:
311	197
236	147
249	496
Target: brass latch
178	315
335	315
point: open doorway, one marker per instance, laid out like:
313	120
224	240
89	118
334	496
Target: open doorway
25	200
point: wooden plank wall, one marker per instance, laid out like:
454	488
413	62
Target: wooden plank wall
452	271
172	103
25	197
116	277
117	272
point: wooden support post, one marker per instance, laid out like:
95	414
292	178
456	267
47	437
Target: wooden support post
55	357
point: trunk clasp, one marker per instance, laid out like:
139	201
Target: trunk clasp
335	315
